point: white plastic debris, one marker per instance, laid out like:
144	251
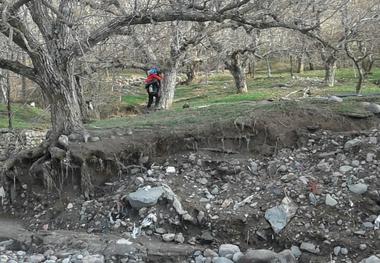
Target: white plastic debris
136	231
244	202
124	241
150	219
377	223
170	170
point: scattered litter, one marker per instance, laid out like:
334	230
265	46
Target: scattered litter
244	202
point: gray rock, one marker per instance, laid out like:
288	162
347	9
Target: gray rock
352	143
200	259
209	253
337	250
160	230
63	140
363	247
168	237
221	260
227	249
330	201
296	251
312	199
93	259
206	237
36	258
280	216
371	259
344	251
374	108
345	169
324	167
145	198
286	256
358	188
237	256
309	247
179	238
93	139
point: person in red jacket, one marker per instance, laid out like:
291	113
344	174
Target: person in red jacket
153	86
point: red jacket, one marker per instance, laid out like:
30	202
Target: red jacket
151	78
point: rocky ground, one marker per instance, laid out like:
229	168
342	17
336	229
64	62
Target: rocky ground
317	203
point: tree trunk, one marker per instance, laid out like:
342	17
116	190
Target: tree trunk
269	68
9	106
3	88
23	83
361	75
252	68
367	65
168	87
291	66
190	74
239	77
330	70
301	65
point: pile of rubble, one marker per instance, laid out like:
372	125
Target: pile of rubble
317	203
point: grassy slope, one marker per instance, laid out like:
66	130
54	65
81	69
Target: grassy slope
218	93
220	88
217	101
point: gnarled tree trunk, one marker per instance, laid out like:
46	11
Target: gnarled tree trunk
236	68
301	64
330	71
168	87
239	77
58	84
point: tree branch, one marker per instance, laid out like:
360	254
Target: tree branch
19	68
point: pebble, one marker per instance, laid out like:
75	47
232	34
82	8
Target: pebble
168	237
330	201
228	249
309	247
344	251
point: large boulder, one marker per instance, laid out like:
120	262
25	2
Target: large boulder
280	216
228	249
145	197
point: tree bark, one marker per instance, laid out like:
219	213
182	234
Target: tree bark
168	87
291	66
190	73
252	68
301	64
237	71
9	103
330	70
361	76
60	87
269	68
23	83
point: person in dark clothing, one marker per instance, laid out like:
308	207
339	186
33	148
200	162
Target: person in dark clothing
153	87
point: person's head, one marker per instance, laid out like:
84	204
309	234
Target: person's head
153	71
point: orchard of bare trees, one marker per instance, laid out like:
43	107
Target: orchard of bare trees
55	43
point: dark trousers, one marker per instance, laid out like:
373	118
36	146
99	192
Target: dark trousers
151	96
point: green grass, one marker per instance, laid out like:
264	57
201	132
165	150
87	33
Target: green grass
217	92
24	117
